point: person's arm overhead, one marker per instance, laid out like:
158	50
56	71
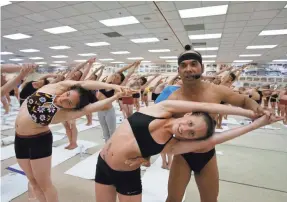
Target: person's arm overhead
87	69
101	73
148	82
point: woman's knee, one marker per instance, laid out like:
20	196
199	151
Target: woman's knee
44	184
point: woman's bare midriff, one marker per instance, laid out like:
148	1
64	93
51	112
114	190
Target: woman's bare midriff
121	147
24	124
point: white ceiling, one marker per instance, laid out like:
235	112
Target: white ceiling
240	27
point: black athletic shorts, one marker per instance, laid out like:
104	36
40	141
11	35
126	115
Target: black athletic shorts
197	161
126	182
136	95
34	146
154	96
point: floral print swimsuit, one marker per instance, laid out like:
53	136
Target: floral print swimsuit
41	108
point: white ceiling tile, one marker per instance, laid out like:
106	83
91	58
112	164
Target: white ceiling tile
107	5
149	18
235	24
51	14
214	26
238	17
105	30
140	10
187	4
264	14
213	3
253	29
230	35
274	27
9	23
100	15
68	11
5	14
282	14
212	31
278	21
67	21
242	8
160	30
37	17
95	25
151	25
171	15
54	4
23	20
86	7
34	6
89	32
194	21
82	19
194	32
258	22
117	13
80	27
131	3
166	6
47	24
17	9
176	25
270	5
215	19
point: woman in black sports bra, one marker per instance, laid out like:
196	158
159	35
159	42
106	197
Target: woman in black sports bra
51	104
150	132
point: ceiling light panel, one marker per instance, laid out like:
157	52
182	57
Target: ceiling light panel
135	58
80	60
40	63
87	54
205	36
60	30
242	61
208	61
145	40
120	21
168	57
6	53
59	62
261	47
106	59
284	60
172	61
36	58
250	55
145	61
203	11
118	62
209	56
59	47
206	49
98	44
17	36
59	56
159	50
16	59
29	50
120	52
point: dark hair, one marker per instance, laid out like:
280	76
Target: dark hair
46	81
233	77
209	122
105	79
144	80
86	96
122	76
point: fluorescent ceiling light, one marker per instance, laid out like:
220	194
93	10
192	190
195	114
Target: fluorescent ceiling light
206	49
60	30
117	62
250	55
98	44
120	21
16	59
2	61
159	50
107	59
285	6
209	56
87	54
168	57
203	11
145	61
40	63
6	53
284	60
59	56
80	60
172	61
55	65
135	58
120	52
261	46
4	3
273	32
242	60
205	36
59	61
208	61
29	50
17	36
59	47
36	58
145	40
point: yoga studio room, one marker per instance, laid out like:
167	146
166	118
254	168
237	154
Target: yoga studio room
143	101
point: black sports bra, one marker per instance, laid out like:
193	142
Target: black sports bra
107	93
41	108
139	123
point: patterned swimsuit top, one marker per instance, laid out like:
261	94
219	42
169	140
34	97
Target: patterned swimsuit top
41	108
